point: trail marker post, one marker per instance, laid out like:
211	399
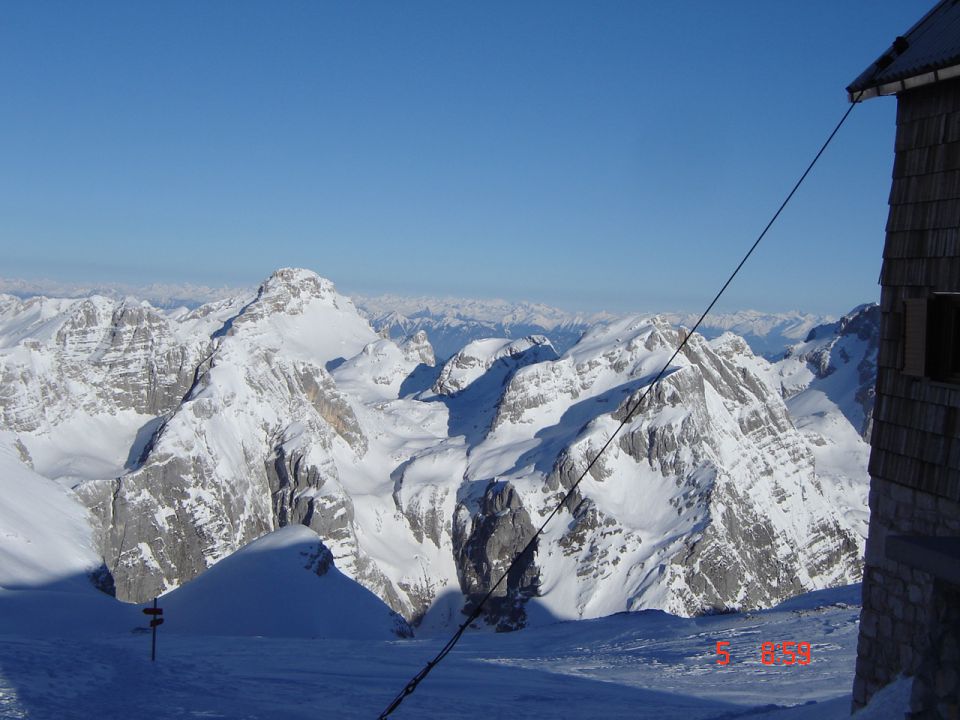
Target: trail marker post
155	621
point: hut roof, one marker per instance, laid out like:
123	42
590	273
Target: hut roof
929	52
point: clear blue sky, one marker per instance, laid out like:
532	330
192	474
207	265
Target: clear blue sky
592	155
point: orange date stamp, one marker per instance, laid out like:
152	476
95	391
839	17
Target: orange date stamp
781	653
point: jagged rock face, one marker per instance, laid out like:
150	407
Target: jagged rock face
250	449
285	408
486	541
424	495
696	506
417	348
91	356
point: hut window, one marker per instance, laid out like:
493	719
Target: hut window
932	337
943	337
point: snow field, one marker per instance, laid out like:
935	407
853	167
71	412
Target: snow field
634	665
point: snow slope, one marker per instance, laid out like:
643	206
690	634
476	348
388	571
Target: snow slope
635	665
828	382
47	555
45	531
282	585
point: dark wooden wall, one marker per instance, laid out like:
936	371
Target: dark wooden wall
915	456
916	419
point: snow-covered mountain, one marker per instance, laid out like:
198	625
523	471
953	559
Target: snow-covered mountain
708	500
828	382
187	435
836	362
768	334
161	295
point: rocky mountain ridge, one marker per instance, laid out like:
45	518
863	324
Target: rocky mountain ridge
248	414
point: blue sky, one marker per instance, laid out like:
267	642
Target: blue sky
591	155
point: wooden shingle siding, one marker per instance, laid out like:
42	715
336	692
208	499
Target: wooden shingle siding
916	439
926	188
917	243
915	444
924	132
926	160
935	215
938	275
940	99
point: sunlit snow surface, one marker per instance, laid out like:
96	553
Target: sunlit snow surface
639	665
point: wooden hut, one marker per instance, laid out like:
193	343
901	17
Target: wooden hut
910	621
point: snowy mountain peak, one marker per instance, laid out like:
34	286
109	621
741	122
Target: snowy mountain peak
301	314
293	291
296	283
474	360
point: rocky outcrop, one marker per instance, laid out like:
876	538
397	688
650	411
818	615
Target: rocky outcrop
476	359
417	348
486	541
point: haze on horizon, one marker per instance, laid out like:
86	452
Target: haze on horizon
169	296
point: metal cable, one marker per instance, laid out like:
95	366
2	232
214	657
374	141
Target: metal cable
411	686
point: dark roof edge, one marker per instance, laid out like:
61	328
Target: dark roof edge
898	86
865	82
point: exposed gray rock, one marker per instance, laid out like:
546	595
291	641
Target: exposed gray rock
317	387
105	355
485	544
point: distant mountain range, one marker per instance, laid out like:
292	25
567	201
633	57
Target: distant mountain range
165	296
451	323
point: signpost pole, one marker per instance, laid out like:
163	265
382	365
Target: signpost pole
153	647
156	618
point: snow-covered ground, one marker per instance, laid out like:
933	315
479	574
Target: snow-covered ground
636	665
